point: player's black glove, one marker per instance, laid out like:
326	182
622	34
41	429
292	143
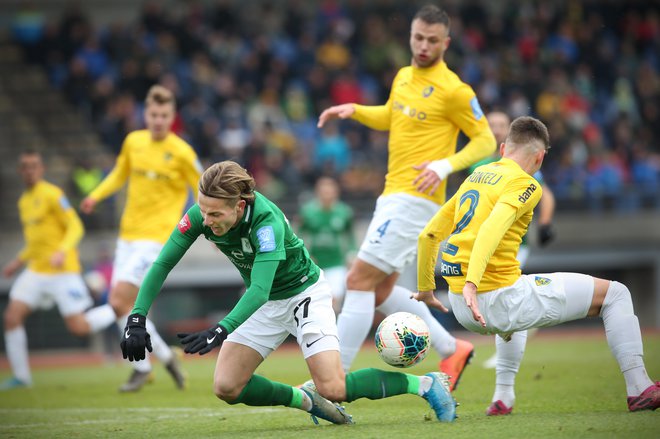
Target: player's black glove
546	234
135	338
203	341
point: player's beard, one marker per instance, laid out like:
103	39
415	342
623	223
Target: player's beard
428	62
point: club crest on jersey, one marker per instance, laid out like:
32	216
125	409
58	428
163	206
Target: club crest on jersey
427	91
266	237
184	224
245	243
542	281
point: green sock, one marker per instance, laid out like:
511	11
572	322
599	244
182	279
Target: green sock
378	384
261	391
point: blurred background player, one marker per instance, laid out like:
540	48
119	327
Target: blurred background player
499	123
52	231
485	221
286	294
326	225
427	107
160	168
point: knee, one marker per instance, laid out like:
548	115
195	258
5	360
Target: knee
226	390
118	304
12	319
355	280
334	390
78	326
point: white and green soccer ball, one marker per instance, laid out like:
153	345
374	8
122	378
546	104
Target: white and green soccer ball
403	339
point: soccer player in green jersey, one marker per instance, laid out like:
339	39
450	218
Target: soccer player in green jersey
326	224
286	294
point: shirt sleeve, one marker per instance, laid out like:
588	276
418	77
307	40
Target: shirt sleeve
268	238
117	177
183	236
74	226
192	172
261	282
428	244
466	113
376	117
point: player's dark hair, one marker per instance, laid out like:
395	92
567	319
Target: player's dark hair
525	130
432	14
228	181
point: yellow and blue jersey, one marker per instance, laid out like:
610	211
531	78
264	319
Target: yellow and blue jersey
426	110
50	225
159	174
484	223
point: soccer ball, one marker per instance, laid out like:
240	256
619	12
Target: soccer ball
402	339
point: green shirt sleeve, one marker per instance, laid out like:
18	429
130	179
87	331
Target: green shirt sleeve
183	236
261	281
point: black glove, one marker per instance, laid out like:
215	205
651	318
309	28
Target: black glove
135	338
203	341
546	234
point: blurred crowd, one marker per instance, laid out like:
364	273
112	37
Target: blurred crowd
252	77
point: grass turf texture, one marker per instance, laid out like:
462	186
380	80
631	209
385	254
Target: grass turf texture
567	387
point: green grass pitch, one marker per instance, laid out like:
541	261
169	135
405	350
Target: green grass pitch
567	387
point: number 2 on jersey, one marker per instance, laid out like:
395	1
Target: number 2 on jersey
473	197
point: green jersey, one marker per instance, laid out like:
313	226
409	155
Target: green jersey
328	232
271	259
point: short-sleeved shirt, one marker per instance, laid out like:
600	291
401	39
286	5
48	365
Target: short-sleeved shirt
327	232
263	234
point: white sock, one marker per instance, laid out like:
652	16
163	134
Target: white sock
17	352
161	350
141	365
509	356
100	318
354	323
624	337
399	300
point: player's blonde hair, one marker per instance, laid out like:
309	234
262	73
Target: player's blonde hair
228	181
528	132
160	95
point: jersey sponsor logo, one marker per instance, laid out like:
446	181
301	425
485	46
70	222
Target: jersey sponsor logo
184	225
541	281
266	237
527	194
237	254
64	203
450	269
408	111
245	243
477	112
427	91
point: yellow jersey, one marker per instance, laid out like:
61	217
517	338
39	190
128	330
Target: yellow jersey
487	218
426	110
50	224
159	174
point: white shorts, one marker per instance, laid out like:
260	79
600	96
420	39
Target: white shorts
534	301
336	277
308	316
133	259
42	291
391	241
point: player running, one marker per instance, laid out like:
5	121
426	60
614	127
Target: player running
484	223
52	231
159	167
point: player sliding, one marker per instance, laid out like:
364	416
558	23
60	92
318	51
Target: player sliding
483	224
286	294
